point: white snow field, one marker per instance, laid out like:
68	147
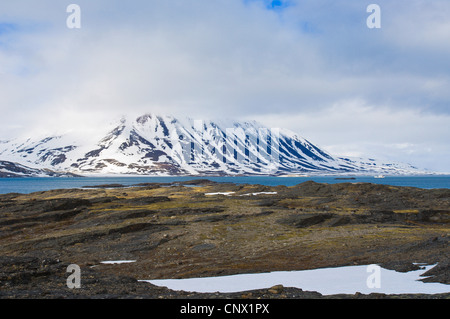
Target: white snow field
327	281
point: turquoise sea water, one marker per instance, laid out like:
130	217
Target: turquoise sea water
29	185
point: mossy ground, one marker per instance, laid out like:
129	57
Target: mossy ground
191	234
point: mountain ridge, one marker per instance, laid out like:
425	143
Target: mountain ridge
163	145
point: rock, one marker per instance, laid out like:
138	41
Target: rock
140	201
203	247
211	218
440	272
247	296
400	266
304	220
339	221
197	182
179	211
105	186
276	289
138	227
101	200
138	213
434	216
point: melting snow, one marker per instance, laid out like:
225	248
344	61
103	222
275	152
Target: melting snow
224	193
111	262
327	281
260	193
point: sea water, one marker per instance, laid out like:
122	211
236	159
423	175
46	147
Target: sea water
30	185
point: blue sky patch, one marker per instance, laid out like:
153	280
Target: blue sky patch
308	27
6	27
277	5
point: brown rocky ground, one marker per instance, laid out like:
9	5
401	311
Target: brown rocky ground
177	231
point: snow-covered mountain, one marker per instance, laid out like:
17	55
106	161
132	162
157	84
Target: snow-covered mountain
9	169
164	145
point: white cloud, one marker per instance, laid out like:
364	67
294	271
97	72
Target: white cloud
353	128
233	58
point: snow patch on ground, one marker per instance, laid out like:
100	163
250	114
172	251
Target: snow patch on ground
259	193
327	281
114	262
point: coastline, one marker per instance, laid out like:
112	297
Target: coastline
179	232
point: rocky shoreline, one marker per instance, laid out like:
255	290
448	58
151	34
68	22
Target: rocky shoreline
204	228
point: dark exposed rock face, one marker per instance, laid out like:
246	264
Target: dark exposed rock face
178	232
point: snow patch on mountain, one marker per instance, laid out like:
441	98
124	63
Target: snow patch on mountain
10	169
166	146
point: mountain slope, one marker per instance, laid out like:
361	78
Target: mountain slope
164	145
10	169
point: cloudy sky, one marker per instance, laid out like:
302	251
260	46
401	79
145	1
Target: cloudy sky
312	66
